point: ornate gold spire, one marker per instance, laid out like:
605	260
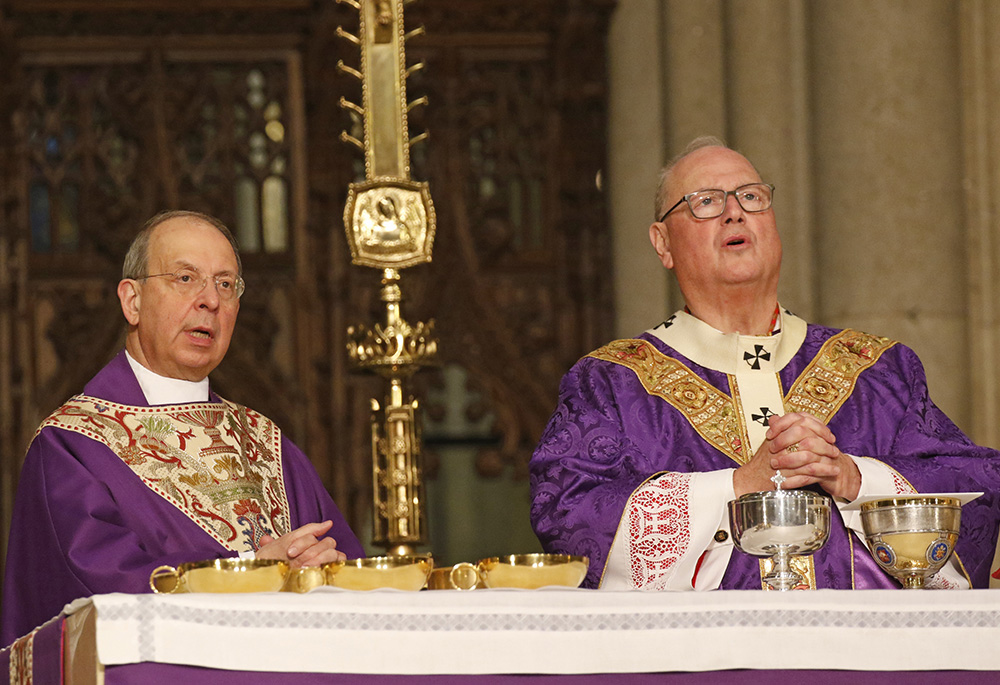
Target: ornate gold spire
390	225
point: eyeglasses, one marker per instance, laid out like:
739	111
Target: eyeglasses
190	282
710	203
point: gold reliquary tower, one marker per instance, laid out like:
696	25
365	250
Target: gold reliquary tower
390	225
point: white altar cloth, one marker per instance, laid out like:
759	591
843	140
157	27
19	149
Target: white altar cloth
552	631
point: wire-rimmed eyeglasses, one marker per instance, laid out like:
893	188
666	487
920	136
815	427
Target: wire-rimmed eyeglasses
190	282
711	202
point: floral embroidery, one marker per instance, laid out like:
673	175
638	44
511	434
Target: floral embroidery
711	412
219	464
830	377
690	395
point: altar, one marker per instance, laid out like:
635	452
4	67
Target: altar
556	635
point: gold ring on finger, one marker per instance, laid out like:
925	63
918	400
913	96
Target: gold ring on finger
792	448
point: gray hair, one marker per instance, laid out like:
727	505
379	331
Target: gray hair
661	188
136	263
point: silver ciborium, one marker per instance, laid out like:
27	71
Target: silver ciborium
911	536
776	524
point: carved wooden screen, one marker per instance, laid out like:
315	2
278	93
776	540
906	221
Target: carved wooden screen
521	283
118	110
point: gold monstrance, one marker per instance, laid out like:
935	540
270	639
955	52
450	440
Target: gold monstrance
390	225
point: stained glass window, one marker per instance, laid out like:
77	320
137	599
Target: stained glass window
107	143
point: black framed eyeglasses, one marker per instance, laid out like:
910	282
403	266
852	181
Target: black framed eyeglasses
711	202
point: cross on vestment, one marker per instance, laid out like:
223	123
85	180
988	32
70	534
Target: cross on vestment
753	358
764	417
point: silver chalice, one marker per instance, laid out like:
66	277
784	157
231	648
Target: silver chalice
777	524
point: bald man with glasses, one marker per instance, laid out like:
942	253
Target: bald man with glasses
148	466
653	436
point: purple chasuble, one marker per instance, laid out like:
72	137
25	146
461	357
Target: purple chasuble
608	435
84	523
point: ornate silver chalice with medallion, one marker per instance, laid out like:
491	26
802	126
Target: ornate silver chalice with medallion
912	536
777	524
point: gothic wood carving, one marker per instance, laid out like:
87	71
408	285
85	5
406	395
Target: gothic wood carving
117	110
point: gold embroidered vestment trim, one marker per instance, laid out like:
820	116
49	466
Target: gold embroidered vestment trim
821	389
710	411
21	667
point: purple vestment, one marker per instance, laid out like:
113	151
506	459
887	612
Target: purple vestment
609	435
84	523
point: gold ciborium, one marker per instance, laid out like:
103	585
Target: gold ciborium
912	536
777	524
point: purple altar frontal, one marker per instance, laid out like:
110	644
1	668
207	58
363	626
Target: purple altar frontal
167	674
511	636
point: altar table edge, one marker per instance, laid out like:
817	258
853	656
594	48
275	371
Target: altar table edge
553	632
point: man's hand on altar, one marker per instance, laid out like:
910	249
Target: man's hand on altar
304	546
805	451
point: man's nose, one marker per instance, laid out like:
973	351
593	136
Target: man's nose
209	297
733	211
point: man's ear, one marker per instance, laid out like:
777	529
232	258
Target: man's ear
660	238
128	295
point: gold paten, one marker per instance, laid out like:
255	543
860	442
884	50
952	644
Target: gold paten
390	224
220	575
400	572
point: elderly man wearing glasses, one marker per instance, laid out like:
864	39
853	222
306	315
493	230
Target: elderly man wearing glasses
149	466
653	436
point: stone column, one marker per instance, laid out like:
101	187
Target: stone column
890	242
866	115
767	86
634	158
736	70
980	74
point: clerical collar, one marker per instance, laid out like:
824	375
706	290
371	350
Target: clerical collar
731	352
774	327
162	390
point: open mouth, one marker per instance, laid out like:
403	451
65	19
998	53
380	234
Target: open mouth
737	240
201	333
